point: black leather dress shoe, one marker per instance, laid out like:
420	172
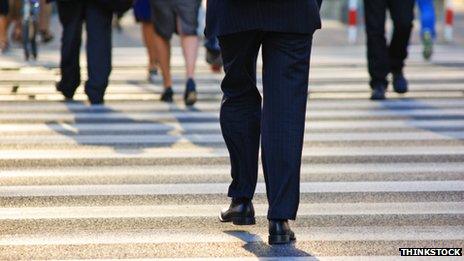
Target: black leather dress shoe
67	96
239	213
280	232
400	84
378	92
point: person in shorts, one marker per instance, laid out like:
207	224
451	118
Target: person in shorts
181	17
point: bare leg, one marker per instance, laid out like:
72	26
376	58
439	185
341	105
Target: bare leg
190	49
44	15
3	35
163	49
148	32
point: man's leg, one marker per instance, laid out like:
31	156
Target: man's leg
163	15
428	30
187	26
427	15
190	45
241	110
44	21
377	51
402	13
71	18
3	25
286	60
98	26
163	48
148	33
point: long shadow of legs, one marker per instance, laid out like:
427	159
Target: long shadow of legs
88	128
409	105
255	245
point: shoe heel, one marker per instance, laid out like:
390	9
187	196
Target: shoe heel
279	239
243	221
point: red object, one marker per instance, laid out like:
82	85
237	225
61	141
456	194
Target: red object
449	19
352	17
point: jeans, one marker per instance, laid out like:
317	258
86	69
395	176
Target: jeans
427	16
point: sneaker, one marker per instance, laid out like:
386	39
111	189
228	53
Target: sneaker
400	84
427	41
190	96
378	92
167	95
152	75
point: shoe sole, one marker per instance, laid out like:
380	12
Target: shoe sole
191	98
240	221
167	100
401	91
378	98
281	240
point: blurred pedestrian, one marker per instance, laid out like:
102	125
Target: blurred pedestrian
386	58
177	16
97	18
142	12
428	31
44	21
3	25
213	54
14	18
283	30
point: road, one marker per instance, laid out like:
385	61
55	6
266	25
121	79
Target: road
137	178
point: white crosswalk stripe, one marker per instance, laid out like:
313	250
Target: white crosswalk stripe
139	179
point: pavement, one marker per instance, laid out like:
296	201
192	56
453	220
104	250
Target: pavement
140	179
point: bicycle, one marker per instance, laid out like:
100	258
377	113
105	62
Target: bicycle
30	11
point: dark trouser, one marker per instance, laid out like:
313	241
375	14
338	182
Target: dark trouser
98	26
4	7
280	121
382	58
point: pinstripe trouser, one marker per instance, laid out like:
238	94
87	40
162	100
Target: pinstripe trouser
278	117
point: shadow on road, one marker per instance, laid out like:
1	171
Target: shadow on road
256	246
124	141
414	121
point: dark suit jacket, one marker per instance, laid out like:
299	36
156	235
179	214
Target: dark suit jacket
232	16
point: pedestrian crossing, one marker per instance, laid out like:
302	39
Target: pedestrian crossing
139	179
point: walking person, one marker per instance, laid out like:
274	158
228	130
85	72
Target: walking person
284	30
14	18
177	16
73	14
386	58
4	6
428	31
142	12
